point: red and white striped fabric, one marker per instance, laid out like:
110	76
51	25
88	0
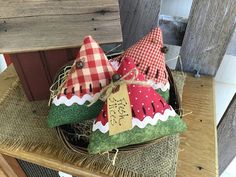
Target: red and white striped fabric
93	76
148	57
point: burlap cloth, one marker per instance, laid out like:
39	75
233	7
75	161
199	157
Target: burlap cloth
23	126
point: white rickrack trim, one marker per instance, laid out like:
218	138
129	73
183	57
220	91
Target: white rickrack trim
136	122
73	99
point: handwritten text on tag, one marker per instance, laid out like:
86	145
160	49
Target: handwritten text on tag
119	111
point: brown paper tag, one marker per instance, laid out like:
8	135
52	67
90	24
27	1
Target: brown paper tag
119	111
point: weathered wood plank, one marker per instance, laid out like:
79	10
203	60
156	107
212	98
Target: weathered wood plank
43	25
231	49
2	174
198	152
227	136
210	26
11	167
30	8
137	19
174	28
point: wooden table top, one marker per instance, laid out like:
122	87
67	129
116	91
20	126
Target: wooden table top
198	151
198	146
44	24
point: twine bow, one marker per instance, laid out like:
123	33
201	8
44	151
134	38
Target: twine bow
107	91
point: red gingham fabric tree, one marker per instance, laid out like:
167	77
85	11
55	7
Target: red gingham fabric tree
148	56
90	72
94	74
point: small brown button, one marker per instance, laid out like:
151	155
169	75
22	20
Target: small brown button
116	77
164	49
155	41
79	64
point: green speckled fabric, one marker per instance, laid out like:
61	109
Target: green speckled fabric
100	142
165	95
62	114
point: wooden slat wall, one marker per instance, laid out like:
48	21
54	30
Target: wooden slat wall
210	26
227	136
42	25
174	28
138	18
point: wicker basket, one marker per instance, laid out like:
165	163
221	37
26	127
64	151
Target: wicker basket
75	136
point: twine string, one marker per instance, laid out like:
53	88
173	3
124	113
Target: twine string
188	113
115	157
182	112
10	76
113	160
107	91
59	83
116	47
175	58
181	65
178	58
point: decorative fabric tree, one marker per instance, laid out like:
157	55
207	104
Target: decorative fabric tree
90	72
152	117
148	55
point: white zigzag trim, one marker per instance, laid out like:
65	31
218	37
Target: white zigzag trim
136	122
73	99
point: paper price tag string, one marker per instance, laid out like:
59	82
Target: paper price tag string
107	91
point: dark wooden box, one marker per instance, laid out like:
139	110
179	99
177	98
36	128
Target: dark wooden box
36	70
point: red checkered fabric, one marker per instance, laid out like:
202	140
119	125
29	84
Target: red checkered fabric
93	76
148	57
